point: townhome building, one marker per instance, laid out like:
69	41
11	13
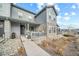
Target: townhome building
14	19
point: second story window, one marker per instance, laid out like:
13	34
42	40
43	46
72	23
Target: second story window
20	14
49	16
30	18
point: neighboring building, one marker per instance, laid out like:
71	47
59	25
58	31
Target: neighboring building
72	31
20	21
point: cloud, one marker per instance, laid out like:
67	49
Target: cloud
59	17
74	25
14	3
40	6
73	13
74	6
57	7
31	4
50	3
66	18
66	14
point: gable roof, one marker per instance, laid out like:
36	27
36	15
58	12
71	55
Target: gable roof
22	9
34	13
45	9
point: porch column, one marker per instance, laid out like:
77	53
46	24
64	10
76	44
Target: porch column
25	28
28	27
7	28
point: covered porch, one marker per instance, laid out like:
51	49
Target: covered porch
19	27
27	27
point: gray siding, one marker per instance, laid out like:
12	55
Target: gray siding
51	22
5	9
22	15
15	27
41	19
50	12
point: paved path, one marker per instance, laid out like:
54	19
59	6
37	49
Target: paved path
32	49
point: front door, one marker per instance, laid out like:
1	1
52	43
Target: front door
1	28
22	29
31	28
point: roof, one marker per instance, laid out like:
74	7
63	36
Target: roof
45	9
22	9
57	25
16	20
34	13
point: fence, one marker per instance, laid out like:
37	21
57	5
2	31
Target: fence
36	35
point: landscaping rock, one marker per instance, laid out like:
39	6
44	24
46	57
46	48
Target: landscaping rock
9	48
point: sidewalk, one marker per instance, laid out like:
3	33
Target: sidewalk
32	49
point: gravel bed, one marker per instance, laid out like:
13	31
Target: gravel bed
9	47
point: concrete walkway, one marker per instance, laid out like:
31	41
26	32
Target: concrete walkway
32	49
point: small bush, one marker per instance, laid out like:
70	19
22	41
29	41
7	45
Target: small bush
29	36
45	43
21	51
68	35
13	35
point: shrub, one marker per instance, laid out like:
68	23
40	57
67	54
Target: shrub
68	35
13	35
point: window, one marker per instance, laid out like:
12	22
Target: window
20	14
49	31
30	17
49	16
1	24
54	30
54	19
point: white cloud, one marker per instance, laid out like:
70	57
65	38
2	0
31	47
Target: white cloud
74	25
14	3
31	4
59	17
40	6
57	8
73	13
50	3
66	14
66	18
73	6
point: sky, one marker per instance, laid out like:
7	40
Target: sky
68	13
